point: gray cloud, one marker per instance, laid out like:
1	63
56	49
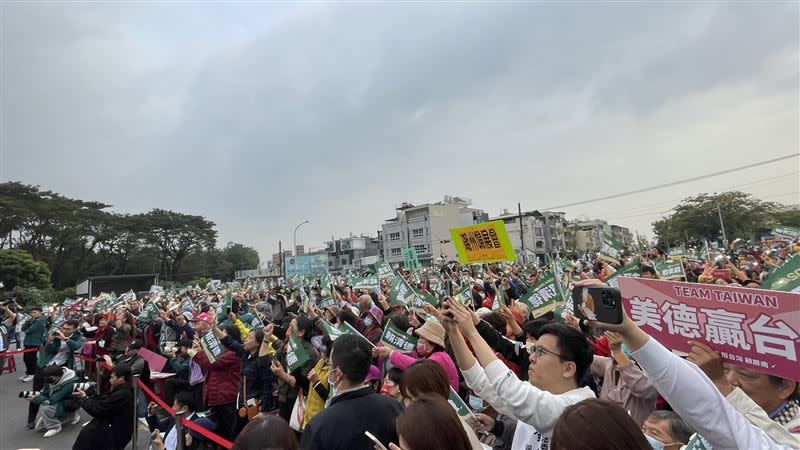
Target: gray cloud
261	116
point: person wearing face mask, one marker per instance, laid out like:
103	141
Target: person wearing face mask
624	383
665	430
52	400
354	407
391	383
373	320
429	346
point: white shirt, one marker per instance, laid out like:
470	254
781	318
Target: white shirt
536	410
698	401
61	357
171	441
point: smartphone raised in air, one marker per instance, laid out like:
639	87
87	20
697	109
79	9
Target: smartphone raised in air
601	304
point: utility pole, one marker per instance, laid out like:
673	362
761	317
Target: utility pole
521	233
721	224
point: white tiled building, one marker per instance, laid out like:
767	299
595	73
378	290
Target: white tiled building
426	228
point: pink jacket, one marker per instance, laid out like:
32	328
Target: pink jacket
402	362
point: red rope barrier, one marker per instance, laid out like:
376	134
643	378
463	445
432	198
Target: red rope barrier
15	352
189	424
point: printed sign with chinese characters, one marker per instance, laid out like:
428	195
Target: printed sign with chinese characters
212	347
753	328
397	339
484	243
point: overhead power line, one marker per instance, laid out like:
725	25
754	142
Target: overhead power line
673	183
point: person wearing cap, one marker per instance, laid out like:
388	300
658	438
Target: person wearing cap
429	346
221	386
103	334
179	323
202	324
373	320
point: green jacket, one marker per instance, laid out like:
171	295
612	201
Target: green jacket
181	367
58	393
35	332
75	344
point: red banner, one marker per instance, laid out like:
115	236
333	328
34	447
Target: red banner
754	328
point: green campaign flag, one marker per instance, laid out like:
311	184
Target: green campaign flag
784	231
463	294
212	347
786	278
397	339
544	297
228	303
410	259
421	297
459	405
255	322
670	270
676	252
326	303
400	292
70	301
632	270
383	270
296	355
149	312
348	329
610	249
370	282
332	331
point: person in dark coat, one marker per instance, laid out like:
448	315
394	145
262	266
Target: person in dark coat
355	407
111	426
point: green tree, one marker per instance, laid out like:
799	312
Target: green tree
178	236
696	218
19	269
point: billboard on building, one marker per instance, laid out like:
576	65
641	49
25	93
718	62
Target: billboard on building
306	265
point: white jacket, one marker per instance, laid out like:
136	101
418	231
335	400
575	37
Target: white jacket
538	409
758	417
698	401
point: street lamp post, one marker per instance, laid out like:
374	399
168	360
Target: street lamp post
294	238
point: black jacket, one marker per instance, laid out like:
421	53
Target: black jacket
112	420
341	425
514	352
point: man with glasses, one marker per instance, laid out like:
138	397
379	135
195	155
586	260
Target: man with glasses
559	360
59	350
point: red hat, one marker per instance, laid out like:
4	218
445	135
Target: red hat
205	317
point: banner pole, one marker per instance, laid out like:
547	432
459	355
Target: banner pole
135	438
180	430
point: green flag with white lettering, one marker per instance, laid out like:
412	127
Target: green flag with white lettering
610	249
544	297
632	270
397	339
296	355
400	292
786	278
670	270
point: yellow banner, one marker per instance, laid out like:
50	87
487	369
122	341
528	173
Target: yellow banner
483	243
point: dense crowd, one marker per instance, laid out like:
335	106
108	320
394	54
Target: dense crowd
315	362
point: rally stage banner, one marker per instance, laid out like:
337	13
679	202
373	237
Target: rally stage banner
483	243
753	328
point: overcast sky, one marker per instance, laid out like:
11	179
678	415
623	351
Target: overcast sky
261	115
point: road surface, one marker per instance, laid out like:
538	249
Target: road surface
14	414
